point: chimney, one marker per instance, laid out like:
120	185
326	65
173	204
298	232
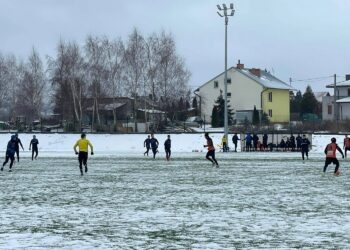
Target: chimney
347	77
256	72
240	65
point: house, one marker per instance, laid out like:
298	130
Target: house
320	95
341	109
247	88
147	113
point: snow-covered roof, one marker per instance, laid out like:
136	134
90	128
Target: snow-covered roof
344	100
107	107
152	111
340	84
267	80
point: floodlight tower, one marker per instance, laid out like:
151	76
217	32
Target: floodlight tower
224	11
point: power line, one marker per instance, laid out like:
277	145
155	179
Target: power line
312	79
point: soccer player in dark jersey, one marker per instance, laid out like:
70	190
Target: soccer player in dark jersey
154	145
34	147
167	147
17	143
147	144
304	145
211	150
10	153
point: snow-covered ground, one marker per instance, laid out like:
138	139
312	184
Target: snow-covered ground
256	200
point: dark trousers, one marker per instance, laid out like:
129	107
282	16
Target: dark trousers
9	157
168	153
305	152
224	147
235	143
154	151
329	161
248	146
83	157
147	150
34	151
346	149
17	153
211	153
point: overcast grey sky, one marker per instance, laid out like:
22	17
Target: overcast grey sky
293	38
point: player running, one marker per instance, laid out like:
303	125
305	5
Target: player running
346	145
34	147
83	145
18	142
331	157
211	150
167	147
10	153
154	145
147	144
304	145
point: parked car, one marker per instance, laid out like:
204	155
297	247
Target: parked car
194	121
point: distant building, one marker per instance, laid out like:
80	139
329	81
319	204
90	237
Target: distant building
320	95
341	109
247	88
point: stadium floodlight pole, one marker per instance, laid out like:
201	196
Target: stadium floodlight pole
225	12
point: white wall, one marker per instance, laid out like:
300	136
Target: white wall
245	93
343	91
327	100
344	111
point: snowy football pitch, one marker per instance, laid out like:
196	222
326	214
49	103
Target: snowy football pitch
254	200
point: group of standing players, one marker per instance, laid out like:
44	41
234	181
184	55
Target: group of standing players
12	149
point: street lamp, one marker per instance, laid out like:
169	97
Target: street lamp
226	12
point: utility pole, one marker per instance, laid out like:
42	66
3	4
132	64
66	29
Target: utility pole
226	12
335	99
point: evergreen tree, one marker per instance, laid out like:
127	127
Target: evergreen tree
309	103
214	117
295	103
194	103
218	113
256	116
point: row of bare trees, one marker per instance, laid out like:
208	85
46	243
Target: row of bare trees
137	67
22	86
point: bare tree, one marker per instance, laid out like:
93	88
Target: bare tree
114	52
10	77
67	74
96	72
30	92
134	67
173	76
152	46
4	81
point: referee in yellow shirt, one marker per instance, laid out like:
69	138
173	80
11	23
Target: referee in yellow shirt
83	144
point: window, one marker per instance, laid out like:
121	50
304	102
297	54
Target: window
216	84
348	92
270	112
329	109
270	96
228	80
228	94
